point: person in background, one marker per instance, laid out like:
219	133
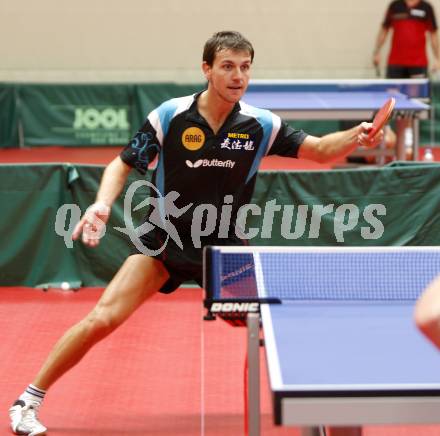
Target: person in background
410	22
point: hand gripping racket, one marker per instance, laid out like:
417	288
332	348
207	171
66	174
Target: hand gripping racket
382	116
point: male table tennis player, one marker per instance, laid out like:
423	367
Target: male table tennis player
209	146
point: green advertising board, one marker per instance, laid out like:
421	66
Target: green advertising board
8	116
76	114
95	114
396	205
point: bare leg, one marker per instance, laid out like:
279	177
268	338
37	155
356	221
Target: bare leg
138	279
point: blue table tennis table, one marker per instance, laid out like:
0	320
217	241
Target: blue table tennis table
342	349
345	100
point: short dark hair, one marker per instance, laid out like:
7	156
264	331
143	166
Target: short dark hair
226	40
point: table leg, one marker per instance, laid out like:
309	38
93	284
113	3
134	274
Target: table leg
401	124
381	151
253	351
416	135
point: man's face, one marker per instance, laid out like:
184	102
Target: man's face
229	75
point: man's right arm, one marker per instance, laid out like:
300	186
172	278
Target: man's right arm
138	153
96	216
113	181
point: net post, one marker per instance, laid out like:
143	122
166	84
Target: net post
211	278
211	271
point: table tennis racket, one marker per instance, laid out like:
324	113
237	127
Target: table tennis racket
382	116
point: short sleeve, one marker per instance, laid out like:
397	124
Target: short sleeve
432	22
142	149
388	17
287	141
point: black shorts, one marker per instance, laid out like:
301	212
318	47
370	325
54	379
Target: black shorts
183	264
404	72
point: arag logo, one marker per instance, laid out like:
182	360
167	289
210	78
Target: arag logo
193	138
111	118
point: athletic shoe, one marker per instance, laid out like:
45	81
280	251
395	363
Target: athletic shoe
24	418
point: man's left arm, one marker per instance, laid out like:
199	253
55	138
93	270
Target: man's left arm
339	144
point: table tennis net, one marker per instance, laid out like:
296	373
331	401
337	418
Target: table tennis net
259	273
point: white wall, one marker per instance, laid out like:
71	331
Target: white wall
160	40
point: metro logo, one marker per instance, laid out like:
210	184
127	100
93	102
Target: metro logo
238	135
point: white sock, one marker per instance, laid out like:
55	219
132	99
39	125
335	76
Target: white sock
33	393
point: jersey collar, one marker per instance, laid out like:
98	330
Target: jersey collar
193	113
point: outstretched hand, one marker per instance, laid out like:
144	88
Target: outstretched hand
364	139
93	224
